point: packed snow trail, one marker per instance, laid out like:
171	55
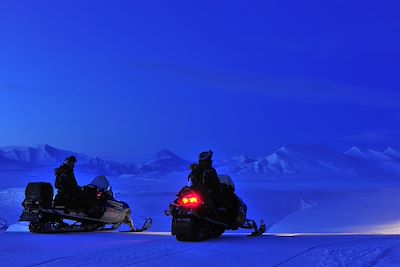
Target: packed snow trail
159	249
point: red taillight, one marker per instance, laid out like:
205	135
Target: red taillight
190	200
99	195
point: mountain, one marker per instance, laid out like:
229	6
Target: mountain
305	158
366	154
387	161
43	155
239	163
392	152
313	159
47	156
164	161
101	166
241	159
14	157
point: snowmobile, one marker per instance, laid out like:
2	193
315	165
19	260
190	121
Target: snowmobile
194	220
46	215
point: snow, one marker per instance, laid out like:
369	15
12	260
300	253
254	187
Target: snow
321	207
12	197
365	153
304	204
14	157
40	155
164	161
392	152
152	249
300	159
295	159
388	161
18	227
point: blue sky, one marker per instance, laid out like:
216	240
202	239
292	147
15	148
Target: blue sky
123	80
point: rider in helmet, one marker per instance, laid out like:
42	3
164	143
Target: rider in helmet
69	194
73	196
205	179
65	177
203	176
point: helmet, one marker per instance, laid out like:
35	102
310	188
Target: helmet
70	159
206	156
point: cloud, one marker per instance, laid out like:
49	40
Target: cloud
376	136
21	89
347	94
13	87
296	88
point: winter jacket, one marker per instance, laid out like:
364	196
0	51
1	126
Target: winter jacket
66	181
206	180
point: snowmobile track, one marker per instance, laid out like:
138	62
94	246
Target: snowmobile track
321	246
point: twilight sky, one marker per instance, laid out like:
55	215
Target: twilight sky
123	79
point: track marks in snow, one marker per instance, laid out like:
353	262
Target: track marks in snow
54	261
159	257
156	249
357	252
122	252
387	257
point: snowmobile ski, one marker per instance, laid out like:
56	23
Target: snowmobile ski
251	224
258	231
146	226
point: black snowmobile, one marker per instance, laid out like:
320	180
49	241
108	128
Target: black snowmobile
46	215
194	220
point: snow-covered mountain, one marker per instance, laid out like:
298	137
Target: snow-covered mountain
101	166
307	159
392	152
41	155
387	161
312	159
366	154
294	159
240	163
163	161
48	156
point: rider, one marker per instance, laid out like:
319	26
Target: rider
203	176
71	195
66	183
205	179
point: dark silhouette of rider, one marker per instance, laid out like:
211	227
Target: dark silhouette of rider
69	193
204	177
65	177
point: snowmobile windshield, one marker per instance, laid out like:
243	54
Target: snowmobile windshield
226	179
101	182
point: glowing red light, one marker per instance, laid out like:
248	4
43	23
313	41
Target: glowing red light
190	200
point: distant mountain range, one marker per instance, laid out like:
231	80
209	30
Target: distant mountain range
321	160
46	155
308	159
